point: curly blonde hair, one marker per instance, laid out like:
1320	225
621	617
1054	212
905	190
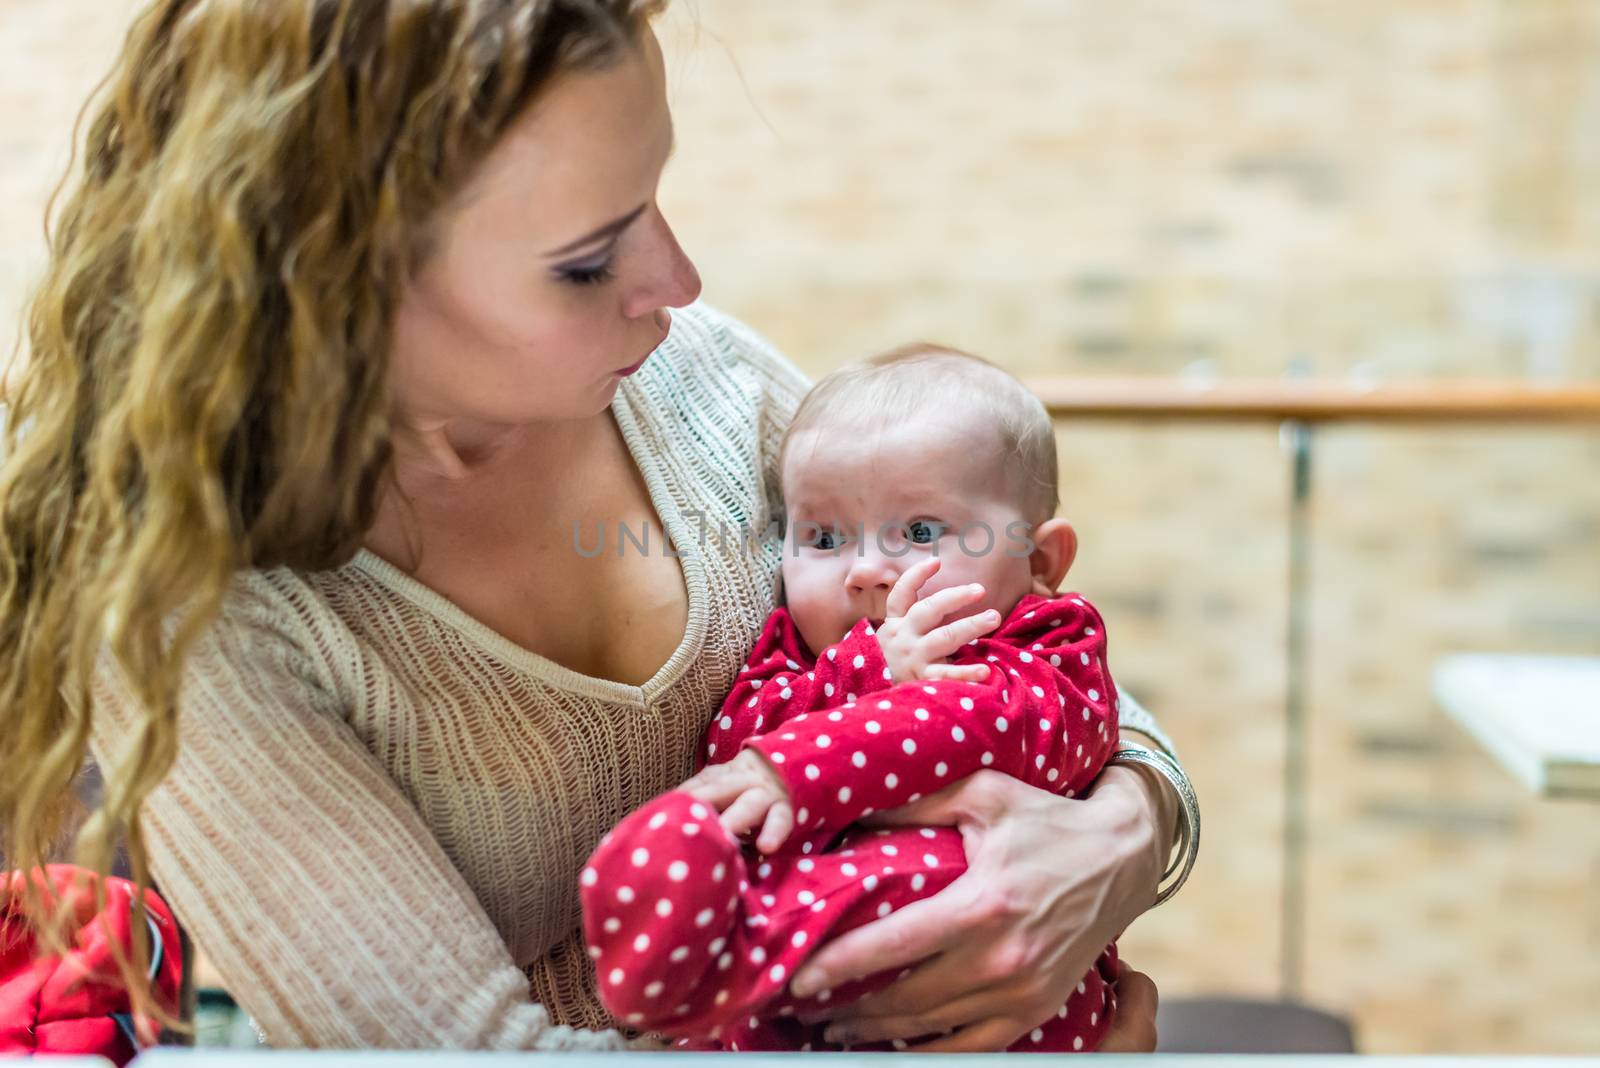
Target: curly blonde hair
206	383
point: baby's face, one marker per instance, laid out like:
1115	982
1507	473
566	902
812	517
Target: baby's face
865	506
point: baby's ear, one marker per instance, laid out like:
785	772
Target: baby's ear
1055	547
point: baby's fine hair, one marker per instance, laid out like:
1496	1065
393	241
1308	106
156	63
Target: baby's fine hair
923	376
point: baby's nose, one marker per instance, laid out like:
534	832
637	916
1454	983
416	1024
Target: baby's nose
873	570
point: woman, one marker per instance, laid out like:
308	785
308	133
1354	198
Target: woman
360	311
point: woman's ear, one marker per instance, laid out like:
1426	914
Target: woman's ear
1055	547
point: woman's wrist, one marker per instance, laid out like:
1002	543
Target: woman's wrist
1175	807
1142	812
1167	806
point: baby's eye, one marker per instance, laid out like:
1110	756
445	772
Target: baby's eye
925	531
823	540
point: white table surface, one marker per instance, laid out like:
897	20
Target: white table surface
1538	715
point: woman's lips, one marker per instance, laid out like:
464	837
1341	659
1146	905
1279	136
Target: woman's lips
663	320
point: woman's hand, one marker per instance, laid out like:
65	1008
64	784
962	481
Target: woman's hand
1050	882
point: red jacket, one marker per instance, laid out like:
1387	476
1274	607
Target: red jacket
75	1002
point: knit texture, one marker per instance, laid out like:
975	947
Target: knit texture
380	807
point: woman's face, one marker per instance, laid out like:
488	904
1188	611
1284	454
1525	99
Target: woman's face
554	268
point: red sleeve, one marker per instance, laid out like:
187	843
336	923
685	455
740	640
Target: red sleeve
777	684
1046	715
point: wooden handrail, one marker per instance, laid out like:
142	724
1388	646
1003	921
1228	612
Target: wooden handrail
1318	401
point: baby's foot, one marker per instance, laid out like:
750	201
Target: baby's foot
660	900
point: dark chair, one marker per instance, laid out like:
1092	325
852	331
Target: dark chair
1240	1025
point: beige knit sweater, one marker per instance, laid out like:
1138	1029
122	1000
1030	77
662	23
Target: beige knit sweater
380	807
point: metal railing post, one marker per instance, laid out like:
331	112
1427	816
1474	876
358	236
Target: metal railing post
1298	437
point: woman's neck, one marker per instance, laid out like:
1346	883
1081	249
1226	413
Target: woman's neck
439	452
453	488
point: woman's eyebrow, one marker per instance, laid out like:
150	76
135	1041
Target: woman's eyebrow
605	231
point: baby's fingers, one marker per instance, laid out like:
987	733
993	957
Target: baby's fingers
747	811
957	672
904	594
929	612
714	786
942	641
780	821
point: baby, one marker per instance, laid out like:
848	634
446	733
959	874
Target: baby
922	639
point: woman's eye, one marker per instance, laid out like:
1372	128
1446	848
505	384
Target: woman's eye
924	531
586	274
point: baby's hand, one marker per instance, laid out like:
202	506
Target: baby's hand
913	642
748	791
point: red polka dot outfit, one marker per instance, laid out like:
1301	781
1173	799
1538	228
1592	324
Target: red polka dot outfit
696	935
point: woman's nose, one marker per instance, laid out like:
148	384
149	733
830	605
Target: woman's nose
670	279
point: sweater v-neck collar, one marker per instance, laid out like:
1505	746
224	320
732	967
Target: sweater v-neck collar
626	405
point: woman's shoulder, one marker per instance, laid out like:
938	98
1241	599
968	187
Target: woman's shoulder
278	600
271	654
281	619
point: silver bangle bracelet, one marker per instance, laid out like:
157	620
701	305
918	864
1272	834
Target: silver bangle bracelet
1187	848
